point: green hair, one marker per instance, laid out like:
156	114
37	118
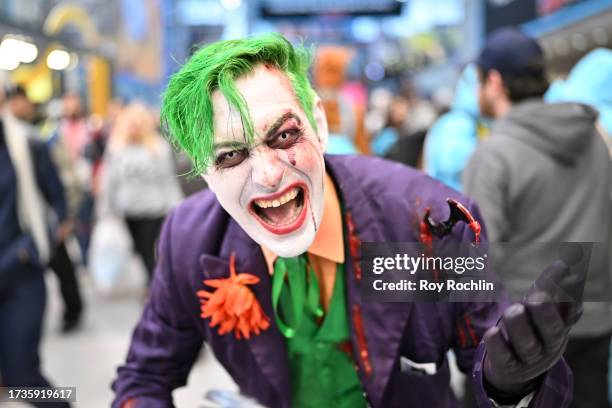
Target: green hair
187	109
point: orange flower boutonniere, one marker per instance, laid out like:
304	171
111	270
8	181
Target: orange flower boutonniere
232	305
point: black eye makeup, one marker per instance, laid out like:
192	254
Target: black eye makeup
231	158
285	138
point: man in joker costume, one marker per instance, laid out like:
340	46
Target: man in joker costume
264	267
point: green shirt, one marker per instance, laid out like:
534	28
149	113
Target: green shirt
322	374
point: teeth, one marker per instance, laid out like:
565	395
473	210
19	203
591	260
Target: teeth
288	196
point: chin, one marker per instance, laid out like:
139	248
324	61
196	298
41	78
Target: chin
291	246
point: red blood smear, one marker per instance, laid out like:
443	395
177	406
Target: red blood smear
314	222
291	156
427	240
475	226
472	223
467	319
461	334
354	245
361	340
425	234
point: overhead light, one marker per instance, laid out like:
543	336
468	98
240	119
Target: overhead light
28	52
8	62
21	50
58	60
231	4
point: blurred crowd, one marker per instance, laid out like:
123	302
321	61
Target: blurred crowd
82	193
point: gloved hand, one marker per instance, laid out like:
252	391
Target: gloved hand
531	336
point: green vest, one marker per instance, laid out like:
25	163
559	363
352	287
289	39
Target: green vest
322	374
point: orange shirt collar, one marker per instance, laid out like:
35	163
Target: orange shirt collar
329	241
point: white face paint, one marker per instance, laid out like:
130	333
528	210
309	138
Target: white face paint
273	186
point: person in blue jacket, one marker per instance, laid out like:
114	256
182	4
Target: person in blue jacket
28	184
454	136
589	82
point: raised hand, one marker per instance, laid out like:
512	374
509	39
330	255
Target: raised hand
531	336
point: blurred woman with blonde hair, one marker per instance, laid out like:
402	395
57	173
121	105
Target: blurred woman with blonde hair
139	181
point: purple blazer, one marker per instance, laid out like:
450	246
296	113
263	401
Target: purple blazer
386	201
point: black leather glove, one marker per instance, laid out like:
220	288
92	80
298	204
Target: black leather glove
531	336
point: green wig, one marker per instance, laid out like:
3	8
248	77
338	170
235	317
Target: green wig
187	109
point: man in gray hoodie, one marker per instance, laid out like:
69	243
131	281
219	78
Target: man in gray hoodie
545	176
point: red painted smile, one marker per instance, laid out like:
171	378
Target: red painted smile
282	212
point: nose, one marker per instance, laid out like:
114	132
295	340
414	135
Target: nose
267	168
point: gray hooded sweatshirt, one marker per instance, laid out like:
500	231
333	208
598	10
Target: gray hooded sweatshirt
545	176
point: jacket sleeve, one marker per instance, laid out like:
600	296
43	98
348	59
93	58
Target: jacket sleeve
473	319
164	344
48	179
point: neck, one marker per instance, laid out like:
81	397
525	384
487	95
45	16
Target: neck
502	108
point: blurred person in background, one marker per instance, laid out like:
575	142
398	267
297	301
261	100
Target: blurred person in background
408	119
75	134
454	136
139	180
544	176
422	112
386	139
61	262
28	185
399	140
20	107
379	104
328	73
590	82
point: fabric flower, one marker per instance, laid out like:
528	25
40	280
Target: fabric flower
232	305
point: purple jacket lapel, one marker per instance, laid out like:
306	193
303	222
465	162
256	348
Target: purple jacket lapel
383	323
268	348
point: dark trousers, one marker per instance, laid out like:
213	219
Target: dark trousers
588	358
64	268
21	317
144	232
83	224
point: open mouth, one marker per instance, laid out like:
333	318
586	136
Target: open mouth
283	212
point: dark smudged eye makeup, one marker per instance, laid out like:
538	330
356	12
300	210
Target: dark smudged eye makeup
285	138
231	158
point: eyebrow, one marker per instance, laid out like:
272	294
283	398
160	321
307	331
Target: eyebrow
231	144
280	121
273	129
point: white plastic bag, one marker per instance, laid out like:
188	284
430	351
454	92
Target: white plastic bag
109	252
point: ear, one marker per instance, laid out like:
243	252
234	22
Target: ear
496	80
321	121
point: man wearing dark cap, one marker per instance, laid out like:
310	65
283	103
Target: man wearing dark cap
544	176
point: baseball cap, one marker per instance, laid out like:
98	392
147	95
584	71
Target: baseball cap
509	51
